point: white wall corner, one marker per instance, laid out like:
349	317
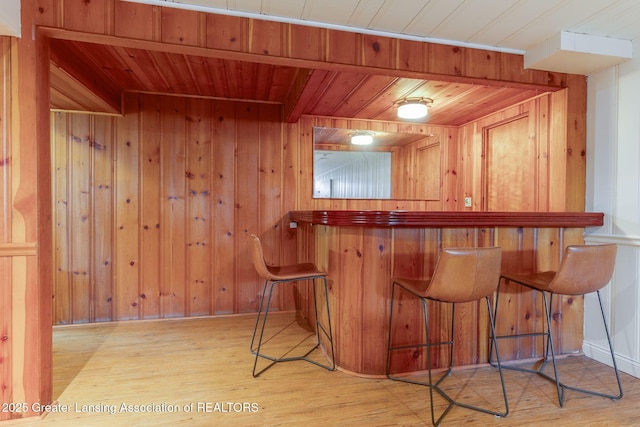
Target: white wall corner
575	53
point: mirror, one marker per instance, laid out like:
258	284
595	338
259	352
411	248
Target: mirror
393	166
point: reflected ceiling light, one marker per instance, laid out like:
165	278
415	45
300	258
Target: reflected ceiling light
413	108
361	138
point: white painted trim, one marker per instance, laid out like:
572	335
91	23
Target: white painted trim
628	240
600	354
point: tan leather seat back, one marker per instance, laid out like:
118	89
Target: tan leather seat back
584	269
257	257
466	274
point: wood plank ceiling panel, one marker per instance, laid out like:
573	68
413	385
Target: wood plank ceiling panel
104	73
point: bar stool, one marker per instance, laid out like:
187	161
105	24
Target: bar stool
460	275
276	275
584	269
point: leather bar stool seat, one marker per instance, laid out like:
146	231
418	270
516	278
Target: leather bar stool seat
282	275
460	276
584	269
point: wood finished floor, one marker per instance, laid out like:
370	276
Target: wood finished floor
206	363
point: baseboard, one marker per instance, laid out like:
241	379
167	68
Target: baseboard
601	354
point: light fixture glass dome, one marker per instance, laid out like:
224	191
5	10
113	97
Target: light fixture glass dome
361	138
414	108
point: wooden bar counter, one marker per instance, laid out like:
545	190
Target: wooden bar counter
363	250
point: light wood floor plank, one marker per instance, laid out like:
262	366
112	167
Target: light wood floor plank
205	364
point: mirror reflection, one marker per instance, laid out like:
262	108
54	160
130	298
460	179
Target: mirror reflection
389	166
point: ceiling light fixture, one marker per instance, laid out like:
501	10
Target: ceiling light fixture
413	108
361	138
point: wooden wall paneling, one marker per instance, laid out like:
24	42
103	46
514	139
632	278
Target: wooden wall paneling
470	174
511	160
518	309
62	230
227	32
223	33
127	220
248	212
349	304
6	328
5	135
445	60
173	208
304	177
576	143
151	199
432	241
559	153
198	168
342	47
544	187
40	263
136	21
102	151
223	161
450	182
6	312
80	217
268	201
485	237
290	153
327	253
411	55
28	136
482	64
376	256
180	26
306	42
267	37
90	17
408	322
548	255
531	312
379	52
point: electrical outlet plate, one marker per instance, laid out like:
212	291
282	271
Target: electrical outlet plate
467	202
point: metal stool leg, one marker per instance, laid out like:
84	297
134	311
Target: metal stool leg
255	327
549	348
435	386
264	322
320	329
562	386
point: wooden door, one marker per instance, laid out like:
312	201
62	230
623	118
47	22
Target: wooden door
510	172
428	172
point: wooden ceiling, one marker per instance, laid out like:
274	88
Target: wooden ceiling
91	77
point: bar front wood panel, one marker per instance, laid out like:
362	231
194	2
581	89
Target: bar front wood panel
362	261
152	210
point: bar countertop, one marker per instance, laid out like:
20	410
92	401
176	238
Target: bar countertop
445	219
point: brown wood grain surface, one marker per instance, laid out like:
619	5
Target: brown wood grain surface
119	270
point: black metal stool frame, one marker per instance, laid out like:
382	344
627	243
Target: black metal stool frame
436	386
319	327
549	347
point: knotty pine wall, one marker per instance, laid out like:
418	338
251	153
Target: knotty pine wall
152	210
26	316
542	154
